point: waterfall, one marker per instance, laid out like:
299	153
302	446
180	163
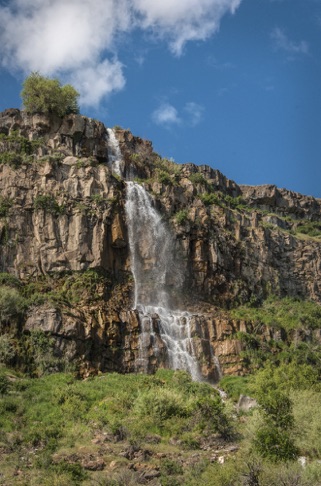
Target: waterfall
158	277
165	331
114	153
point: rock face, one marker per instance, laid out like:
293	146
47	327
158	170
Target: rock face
62	214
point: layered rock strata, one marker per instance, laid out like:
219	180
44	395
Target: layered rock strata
62	212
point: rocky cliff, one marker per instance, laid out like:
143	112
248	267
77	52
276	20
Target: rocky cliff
64	235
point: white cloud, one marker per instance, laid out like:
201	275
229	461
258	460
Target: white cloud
166	115
95	82
184	20
74	39
282	42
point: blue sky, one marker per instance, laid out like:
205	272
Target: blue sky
235	84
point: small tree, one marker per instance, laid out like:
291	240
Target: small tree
44	95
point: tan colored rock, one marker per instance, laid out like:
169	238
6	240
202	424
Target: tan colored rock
227	255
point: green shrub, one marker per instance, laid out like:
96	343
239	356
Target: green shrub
164	178
12	303
87	285
211	416
48	203
171	468
235	386
310	228
160	405
274	439
234	202
7	349
37	353
9	280
211	198
12	159
197	178
167	165
275	444
75	471
4	385
5	205
181	216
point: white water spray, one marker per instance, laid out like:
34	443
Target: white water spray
157	278
114	153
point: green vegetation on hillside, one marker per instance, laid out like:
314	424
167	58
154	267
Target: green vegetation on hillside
287	313
283	331
62	427
119	430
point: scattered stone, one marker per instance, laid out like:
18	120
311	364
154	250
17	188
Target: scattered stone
153	439
245	403
152	474
113	465
302	460
93	465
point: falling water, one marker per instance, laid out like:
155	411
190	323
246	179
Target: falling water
157	279
114	153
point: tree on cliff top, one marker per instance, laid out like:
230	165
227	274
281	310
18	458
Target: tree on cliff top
45	95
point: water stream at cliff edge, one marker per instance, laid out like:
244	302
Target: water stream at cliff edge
114	153
157	277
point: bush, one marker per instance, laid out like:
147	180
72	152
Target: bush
4	385
7	350
160	405
274	438
310	228
164	177
210	198
49	204
212	417
47	96
275	444
197	178
5	205
181	216
11	303
37	352
235	386
9	280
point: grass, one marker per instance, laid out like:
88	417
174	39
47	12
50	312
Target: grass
55	427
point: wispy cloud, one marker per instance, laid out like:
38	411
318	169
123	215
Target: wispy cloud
282	42
75	39
194	113
220	66
167	115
